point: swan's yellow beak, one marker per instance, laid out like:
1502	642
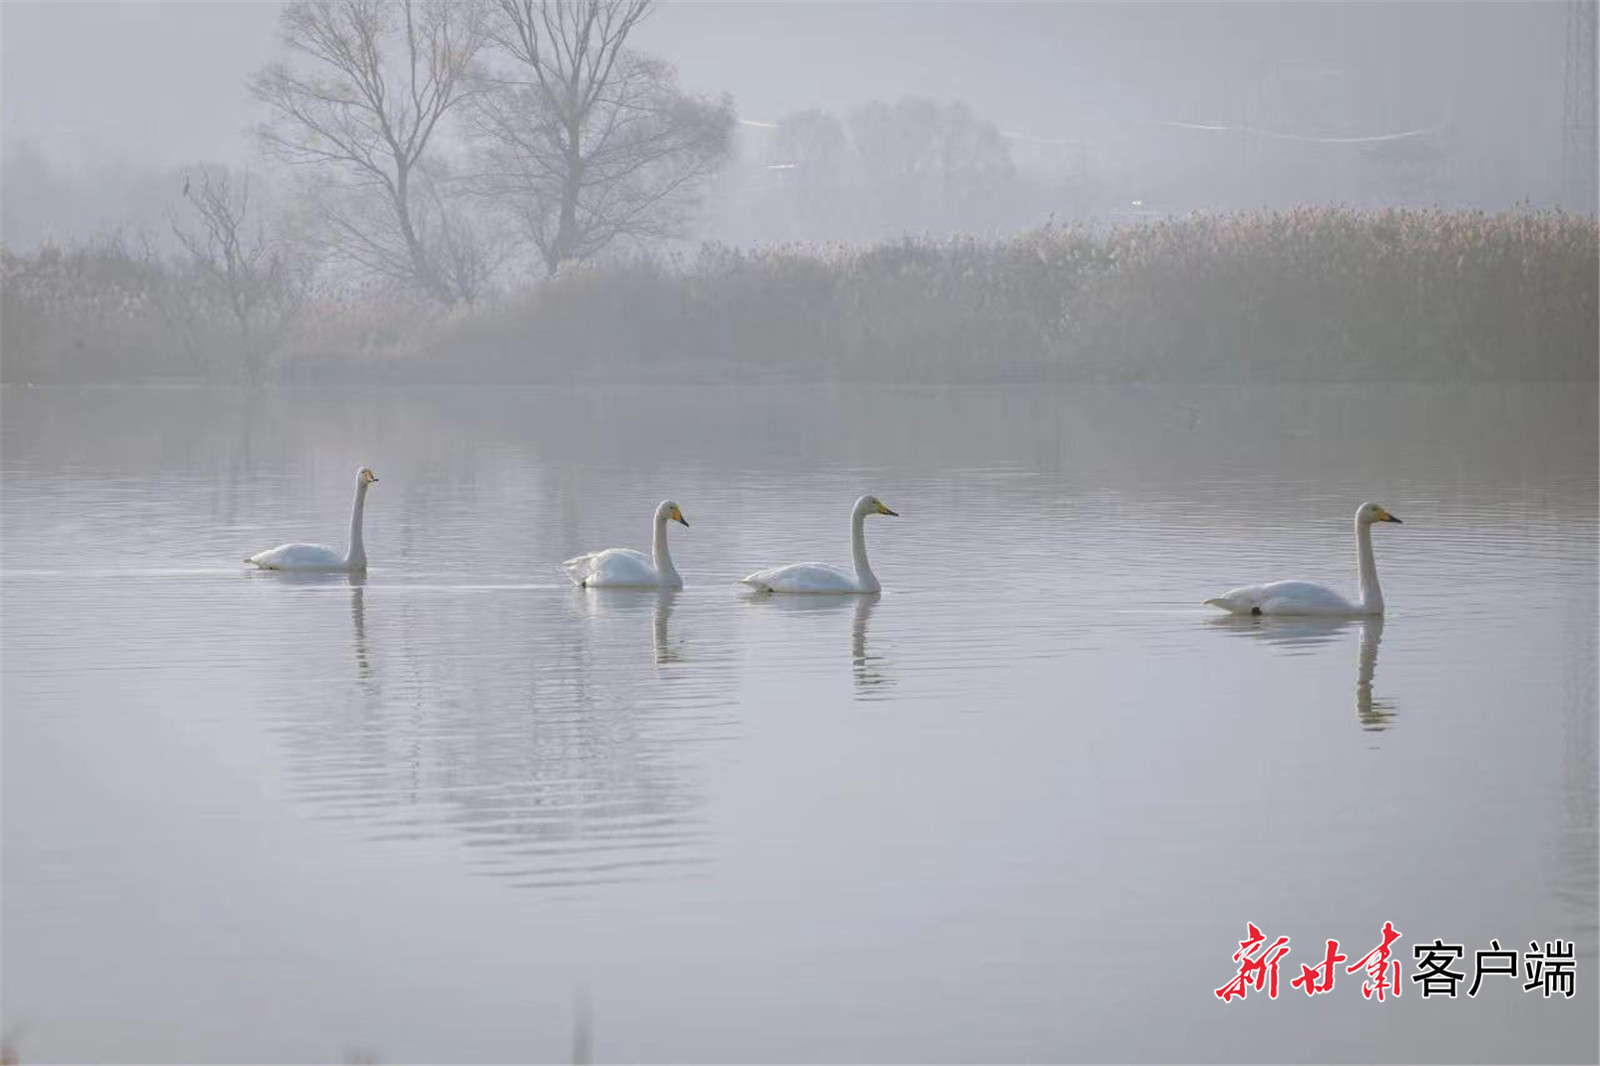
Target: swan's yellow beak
1385	516
677	516
884	510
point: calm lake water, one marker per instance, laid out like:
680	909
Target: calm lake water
1019	807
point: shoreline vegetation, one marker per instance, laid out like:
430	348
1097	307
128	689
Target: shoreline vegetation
1316	294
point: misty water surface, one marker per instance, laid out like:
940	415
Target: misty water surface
1016	808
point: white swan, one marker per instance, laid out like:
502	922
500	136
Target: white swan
320	556
817	577
1302	597
625	568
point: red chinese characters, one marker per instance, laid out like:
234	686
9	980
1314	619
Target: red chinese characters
1258	965
1314	979
1377	964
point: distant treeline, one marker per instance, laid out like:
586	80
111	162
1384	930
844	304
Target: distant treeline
1315	294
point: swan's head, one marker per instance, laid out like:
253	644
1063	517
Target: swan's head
667	510
1374	512
872	505
365	476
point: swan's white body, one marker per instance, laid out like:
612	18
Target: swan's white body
320	557
626	568
304	557
824	579
1305	598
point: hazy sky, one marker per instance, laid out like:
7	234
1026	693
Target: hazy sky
156	85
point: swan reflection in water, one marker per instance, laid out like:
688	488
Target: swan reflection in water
871	673
1303	633
666	651
326	581
355	581
597	602
553	774
358	625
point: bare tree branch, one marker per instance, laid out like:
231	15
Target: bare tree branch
593	143
237	266
378	79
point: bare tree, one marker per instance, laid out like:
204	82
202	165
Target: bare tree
810	175
237	267
468	246
920	162
364	112
589	141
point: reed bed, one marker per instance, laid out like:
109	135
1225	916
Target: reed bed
1314	294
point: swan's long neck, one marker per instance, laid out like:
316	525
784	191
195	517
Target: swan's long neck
658	549
357	555
858	552
1371	594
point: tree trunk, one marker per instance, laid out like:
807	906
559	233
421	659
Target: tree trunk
567	228
421	265
252	357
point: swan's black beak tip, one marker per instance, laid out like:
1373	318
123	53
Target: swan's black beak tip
683	522
891	514
1395	520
